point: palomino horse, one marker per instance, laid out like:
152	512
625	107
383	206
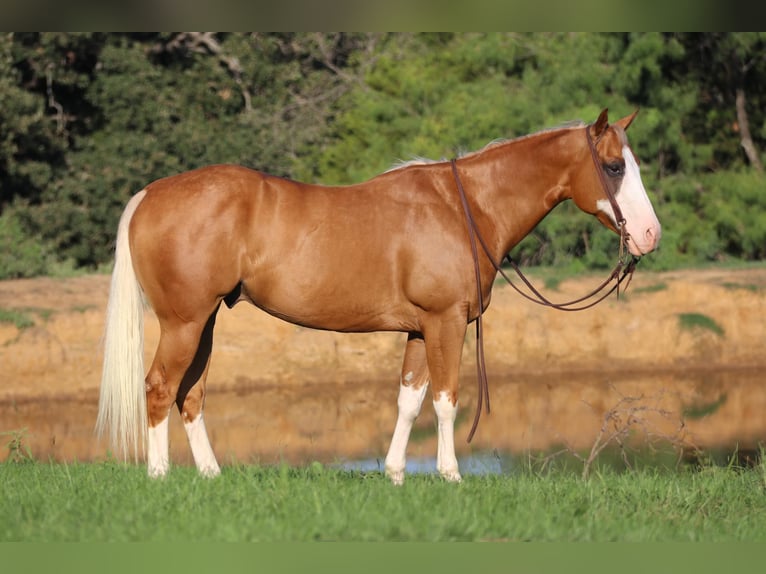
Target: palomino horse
389	254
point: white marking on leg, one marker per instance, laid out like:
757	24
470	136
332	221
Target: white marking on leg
409	403
158	449
203	454
446	461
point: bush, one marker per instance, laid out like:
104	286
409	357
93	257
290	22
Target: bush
712	217
21	255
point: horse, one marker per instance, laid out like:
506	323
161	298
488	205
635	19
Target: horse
388	254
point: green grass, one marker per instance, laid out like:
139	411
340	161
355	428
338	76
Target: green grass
48	502
19	318
692	321
654	288
24	317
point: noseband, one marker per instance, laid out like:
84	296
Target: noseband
622	271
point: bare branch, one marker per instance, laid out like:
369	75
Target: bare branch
629	416
746	140
207	43
52	103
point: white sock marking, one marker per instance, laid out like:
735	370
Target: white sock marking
446	461
203	454
409	403
158	449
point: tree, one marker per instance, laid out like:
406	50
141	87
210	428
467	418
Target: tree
88	119
32	147
113	112
729	71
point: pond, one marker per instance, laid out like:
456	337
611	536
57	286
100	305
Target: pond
349	424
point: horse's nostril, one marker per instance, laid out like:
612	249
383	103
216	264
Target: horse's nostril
652	236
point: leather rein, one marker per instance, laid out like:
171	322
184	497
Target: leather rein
622	271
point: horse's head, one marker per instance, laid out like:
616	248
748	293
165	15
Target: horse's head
612	168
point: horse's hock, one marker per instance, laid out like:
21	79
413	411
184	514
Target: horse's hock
689	342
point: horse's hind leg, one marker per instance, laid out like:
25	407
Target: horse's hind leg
190	401
412	390
177	359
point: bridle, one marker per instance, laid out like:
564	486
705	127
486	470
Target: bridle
622	271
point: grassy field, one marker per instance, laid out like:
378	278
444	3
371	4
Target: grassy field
52	502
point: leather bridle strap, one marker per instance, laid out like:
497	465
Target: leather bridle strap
481	368
620	273
619	219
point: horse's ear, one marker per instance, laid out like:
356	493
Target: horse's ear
598	127
625	122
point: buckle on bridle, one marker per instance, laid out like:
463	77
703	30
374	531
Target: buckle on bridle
624	237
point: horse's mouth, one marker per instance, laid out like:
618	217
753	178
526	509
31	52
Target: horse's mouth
646	243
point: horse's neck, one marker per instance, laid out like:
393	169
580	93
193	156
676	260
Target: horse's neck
517	183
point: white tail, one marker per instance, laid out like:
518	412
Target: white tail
122	403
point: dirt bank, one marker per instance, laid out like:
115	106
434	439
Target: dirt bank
277	390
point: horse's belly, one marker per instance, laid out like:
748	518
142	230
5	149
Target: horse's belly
334	308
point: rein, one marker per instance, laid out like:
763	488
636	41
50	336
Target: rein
623	271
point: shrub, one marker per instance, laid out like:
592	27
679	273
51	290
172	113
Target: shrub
21	255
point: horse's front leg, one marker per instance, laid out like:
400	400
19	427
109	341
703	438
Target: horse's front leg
446	412
444	342
412	390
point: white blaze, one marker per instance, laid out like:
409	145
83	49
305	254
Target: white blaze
641	222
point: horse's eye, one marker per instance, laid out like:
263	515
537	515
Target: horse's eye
615	169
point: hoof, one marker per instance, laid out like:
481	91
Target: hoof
451	476
157	472
210	471
396	476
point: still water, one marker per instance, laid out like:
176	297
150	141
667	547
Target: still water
349	424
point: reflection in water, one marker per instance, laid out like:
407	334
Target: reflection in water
531	416
667	457
477	464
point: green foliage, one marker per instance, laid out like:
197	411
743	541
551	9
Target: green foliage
438	101
20	319
21	254
713	217
88	119
18	450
